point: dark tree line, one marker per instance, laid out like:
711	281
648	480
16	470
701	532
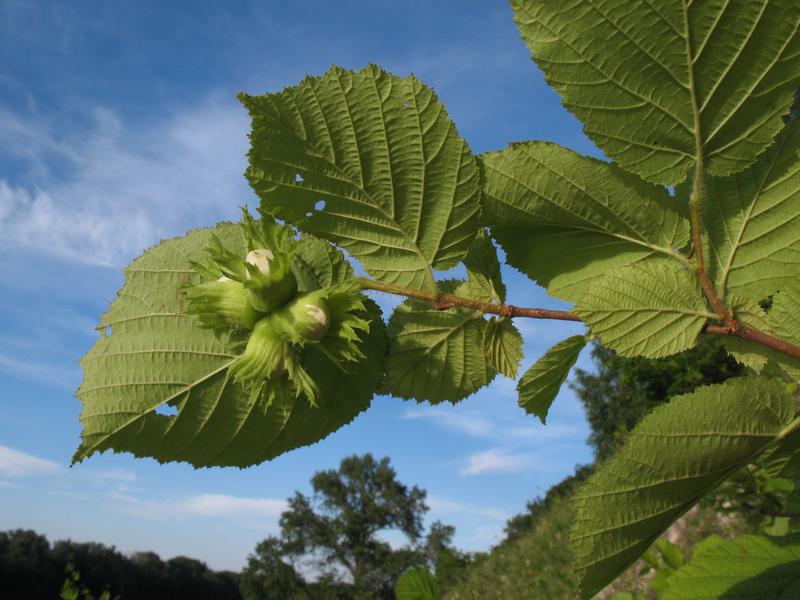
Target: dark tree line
32	568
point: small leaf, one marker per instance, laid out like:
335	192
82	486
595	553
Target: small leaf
564	219
541	383
417	584
483	271
502	343
651	310
752	222
677	454
158	356
400	187
749	568
784	321
783	459
436	355
672	555
649	80
747	353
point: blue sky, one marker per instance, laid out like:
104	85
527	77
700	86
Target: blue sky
120	128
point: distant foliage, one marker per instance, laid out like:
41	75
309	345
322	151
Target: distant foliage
33	569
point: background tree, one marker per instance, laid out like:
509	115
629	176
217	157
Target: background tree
337	528
267	576
623	390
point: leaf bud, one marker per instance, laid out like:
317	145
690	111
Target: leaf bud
222	303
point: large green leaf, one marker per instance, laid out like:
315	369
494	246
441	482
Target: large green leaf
651	80
155	356
651	309
502	343
752	567
434	354
417	584
752	221
540	384
565	219
677	454
399	185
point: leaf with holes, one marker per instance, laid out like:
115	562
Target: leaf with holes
400	186
436	355
502	343
753	567
565	219
157	356
654	82
540	384
672	458
752	220
651	310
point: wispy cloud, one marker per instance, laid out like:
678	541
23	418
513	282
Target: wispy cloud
453	419
496	461
127	188
15	463
64	377
446	507
221	505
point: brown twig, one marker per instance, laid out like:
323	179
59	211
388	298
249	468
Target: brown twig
443	301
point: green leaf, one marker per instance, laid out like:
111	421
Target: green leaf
400	187
484	281
157	356
316	264
652	310
502	343
672	555
784	321
677	454
436	355
650	80
749	568
752	221
417	584
541	383
783	459
564	219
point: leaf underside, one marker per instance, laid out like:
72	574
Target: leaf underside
436	355
157	356
400	187
752	222
644	77
650	309
666	465
502	343
752	567
540	384
564	219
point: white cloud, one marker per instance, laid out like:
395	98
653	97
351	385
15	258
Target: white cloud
496	461
15	463
67	378
126	188
453	418
221	505
445	507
